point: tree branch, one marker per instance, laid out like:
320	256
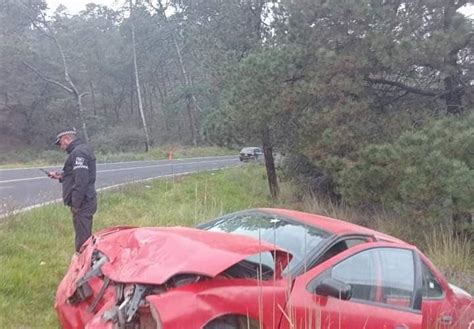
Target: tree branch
84	94
45	78
405	87
46	30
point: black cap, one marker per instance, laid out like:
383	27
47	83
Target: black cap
64	132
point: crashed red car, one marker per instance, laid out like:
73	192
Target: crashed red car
259	268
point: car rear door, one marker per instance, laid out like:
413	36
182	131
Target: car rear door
385	280
441	309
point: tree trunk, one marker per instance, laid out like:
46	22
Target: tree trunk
453	96
270	165
94	107
192	123
132	95
452	82
190	98
453	89
191	102
180	130
151	94
117	106
74	89
137	81
81	115
162	98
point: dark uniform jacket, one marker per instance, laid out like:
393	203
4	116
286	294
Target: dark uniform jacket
79	174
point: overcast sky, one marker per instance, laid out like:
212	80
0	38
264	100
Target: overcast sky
75	6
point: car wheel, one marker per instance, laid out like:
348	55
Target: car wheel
233	322
220	325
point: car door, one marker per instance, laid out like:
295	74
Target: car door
385	284
440	309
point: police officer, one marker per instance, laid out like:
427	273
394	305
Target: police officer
78	182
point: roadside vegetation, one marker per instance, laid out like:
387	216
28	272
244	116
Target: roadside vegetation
36	246
32	158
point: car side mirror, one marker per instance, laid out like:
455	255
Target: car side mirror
334	288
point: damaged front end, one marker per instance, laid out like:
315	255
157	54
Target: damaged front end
107	285
129	309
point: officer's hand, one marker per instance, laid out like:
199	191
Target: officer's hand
54	175
74	210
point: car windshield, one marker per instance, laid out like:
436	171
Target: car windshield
295	237
247	150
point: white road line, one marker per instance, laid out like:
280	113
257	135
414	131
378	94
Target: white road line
15	212
21	179
156	166
125	162
117	169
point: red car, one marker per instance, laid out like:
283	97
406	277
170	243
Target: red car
260	268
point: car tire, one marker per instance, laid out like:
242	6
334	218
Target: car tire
227	322
220	325
233	322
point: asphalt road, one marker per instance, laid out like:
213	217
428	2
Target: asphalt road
29	187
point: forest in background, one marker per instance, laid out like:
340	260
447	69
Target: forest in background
370	101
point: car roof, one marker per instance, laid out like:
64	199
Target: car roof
336	226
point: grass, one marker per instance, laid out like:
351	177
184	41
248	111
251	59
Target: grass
30	158
454	256
36	246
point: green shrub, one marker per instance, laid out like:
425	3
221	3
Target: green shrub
426	173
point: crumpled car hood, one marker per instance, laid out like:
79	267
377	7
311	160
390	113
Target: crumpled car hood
153	255
118	259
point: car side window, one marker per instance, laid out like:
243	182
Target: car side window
379	275
431	286
398	276
360	272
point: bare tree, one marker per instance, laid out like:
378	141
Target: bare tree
137	80
191	102
41	24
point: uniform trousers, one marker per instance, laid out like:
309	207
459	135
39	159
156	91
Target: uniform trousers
82	221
